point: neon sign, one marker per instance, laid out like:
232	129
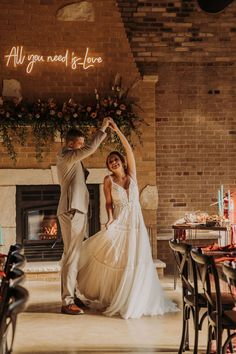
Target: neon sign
17	57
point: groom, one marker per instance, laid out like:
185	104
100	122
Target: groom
73	207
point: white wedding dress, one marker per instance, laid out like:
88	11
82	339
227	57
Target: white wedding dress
116	270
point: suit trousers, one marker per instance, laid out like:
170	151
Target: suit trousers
73	227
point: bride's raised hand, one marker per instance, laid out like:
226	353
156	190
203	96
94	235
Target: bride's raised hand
113	125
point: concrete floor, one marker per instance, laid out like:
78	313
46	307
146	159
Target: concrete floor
42	329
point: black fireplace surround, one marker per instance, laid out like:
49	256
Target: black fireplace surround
37	226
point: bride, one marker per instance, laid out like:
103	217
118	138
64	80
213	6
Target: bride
116	270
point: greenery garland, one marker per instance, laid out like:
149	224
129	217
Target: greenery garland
47	118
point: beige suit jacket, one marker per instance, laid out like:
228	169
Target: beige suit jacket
74	192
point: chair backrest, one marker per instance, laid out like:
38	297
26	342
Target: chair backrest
12	296
16	247
230	273
14	259
183	261
13	275
15	302
209	277
19	295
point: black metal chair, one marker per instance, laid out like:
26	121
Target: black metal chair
12	296
193	301
218	303
16	247
230	273
15	303
11	273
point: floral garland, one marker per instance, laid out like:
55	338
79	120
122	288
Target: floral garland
47	118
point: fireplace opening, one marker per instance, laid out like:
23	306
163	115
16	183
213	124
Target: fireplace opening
41	224
37	226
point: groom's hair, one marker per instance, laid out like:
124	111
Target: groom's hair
73	134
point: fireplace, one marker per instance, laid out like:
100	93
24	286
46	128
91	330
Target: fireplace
37	226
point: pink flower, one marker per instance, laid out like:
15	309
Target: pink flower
123	107
93	115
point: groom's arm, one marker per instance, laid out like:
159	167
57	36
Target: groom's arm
72	156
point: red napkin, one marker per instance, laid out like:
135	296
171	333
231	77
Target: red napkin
224	259
229	247
216	247
213	247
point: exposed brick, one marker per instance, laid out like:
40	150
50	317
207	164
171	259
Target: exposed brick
194	56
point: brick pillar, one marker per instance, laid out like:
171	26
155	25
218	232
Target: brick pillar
146	168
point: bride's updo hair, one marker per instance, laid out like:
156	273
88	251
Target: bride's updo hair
121	157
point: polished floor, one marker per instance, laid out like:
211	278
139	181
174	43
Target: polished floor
42	329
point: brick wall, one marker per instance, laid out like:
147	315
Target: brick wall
177	31
32	24
195	137
193	53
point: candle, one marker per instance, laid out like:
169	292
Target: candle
219	203
229	202
222	199
1	237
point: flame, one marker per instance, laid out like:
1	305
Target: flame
51	230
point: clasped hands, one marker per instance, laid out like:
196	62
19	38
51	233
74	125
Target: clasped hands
109	122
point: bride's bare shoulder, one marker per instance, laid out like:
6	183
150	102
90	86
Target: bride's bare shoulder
107	179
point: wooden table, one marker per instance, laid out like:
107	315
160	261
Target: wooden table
191	230
188	232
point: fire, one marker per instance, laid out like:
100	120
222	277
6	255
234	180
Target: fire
50	231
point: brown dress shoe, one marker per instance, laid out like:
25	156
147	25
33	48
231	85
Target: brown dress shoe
71	309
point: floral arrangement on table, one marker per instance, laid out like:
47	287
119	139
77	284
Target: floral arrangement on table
47	118
203	218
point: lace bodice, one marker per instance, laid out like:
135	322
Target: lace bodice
122	197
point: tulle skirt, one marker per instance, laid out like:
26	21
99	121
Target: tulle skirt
117	273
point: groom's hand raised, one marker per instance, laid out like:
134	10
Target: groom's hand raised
113	125
105	123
